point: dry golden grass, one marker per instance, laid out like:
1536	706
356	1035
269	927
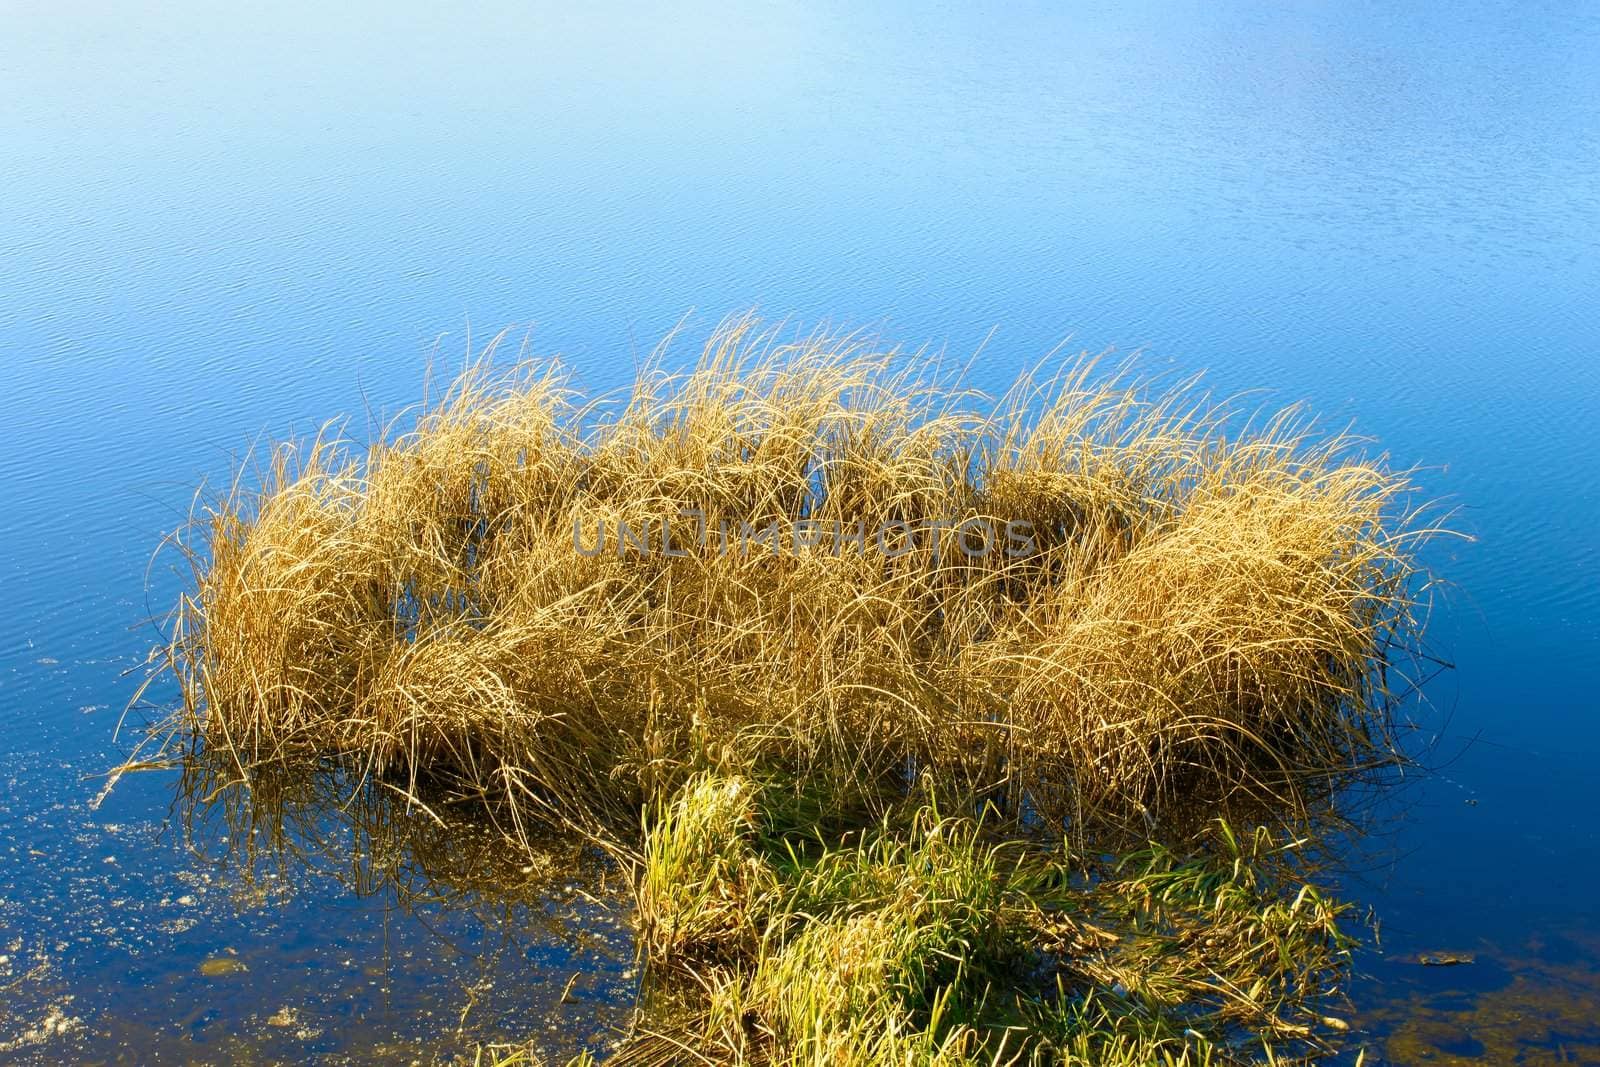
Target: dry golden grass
1219	612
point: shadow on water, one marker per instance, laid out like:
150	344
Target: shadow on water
485	941
319	918
1526	992
322	917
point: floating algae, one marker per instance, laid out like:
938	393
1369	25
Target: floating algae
222	966
1541	1013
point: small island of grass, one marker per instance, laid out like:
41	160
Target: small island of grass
926	728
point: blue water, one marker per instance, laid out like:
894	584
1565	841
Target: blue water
218	223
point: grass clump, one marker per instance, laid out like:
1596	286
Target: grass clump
930	939
1206	610
699	875
744	604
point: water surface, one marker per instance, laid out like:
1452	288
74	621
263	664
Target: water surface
226	222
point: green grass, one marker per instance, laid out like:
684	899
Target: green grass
931	939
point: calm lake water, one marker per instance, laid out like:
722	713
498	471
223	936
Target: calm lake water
223	222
